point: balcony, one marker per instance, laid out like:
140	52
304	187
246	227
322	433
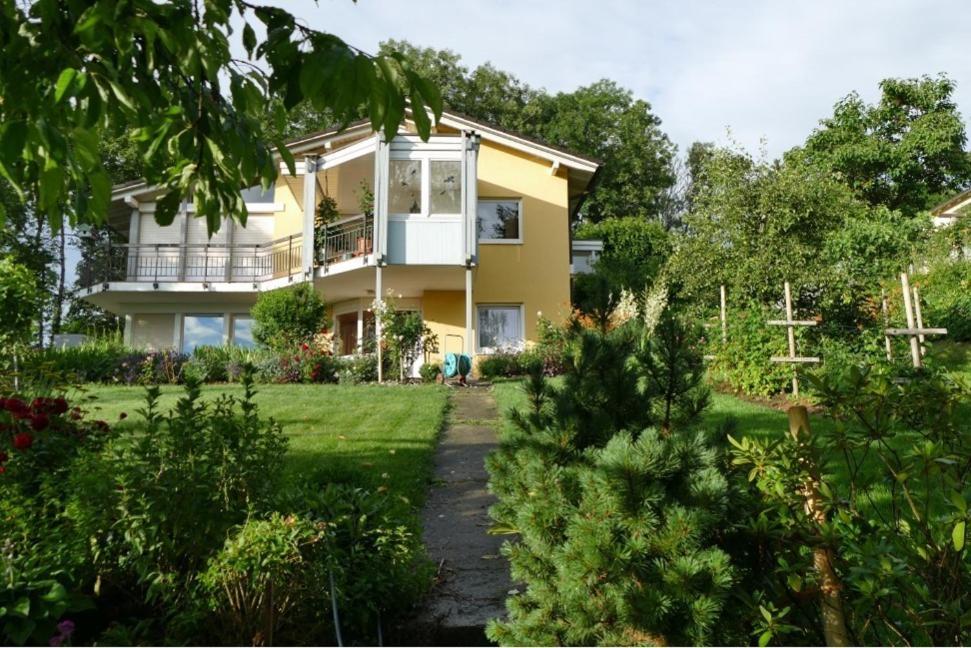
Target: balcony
346	239
205	263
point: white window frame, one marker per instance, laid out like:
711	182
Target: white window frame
522	327
426	158
490	241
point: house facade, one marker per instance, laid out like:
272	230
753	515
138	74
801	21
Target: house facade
471	228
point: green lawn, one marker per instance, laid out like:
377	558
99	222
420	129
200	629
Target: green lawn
370	435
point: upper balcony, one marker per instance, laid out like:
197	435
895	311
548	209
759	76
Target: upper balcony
368	202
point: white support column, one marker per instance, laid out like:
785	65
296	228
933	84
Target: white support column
360	327
381	161
470	192
134	238
309	213
469	345
379	298
177	333
129	333
227	328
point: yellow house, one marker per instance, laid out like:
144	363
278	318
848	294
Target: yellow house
471	228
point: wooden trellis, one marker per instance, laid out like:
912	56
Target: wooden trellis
915	324
790	323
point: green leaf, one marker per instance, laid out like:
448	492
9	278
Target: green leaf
959	502
19	630
56	594
21	606
65	83
287	157
100	195
166	208
86	148
765	613
249	39
957	535
765	638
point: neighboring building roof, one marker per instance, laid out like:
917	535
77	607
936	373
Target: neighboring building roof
954	205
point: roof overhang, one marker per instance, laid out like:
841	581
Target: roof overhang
581	172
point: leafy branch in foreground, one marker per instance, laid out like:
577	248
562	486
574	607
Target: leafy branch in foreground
74	71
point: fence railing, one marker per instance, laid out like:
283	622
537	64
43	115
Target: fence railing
204	262
345	239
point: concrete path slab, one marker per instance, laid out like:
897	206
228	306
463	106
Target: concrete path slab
473	579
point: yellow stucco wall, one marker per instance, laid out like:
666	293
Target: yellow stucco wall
535	273
291	220
444	313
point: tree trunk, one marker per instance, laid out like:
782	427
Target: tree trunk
59	300
833	619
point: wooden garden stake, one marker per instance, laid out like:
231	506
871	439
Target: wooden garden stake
833	619
920	322
886	324
791	325
724	315
915	326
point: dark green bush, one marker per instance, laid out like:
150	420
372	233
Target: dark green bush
617	504
285	318
430	371
358	369
278	578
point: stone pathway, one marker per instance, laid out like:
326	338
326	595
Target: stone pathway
473	579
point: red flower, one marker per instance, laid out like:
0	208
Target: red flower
16	407
39	421
3	457
22	441
304	346
38	404
59	406
102	425
3	469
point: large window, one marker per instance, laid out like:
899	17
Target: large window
500	328
256	194
200	330
243	331
404	187
446	186
500	221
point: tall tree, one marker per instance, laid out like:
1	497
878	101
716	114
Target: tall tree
905	152
602	120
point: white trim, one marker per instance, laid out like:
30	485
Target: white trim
522	325
252	208
498	241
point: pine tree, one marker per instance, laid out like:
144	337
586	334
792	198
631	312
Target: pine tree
616	500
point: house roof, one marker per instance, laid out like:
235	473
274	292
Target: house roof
583	171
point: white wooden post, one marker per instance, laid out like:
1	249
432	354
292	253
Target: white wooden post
379	299
909	309
469	346
309	215
791	325
886	324
915	326
724	315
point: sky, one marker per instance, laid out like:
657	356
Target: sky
760	70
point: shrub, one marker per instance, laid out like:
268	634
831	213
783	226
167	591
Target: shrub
743	362
358	369
157	503
621	547
43	560
889	480
405	336
430	371
502	364
946	290
285	318
278	579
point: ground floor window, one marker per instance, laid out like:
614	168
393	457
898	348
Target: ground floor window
500	328
243	331
200	330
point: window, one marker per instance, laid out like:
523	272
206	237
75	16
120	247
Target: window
500	221
256	194
500	328
446	186
243	331
404	187
199	330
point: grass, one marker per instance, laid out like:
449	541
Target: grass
368	435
